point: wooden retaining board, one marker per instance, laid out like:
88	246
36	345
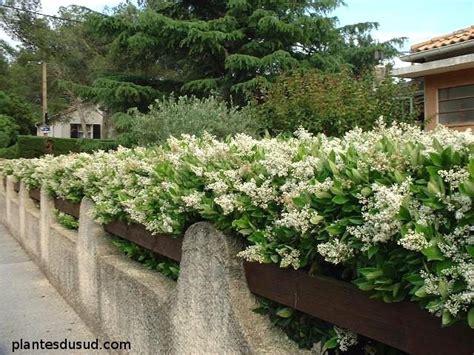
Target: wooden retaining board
162	244
35	195
401	325
68	207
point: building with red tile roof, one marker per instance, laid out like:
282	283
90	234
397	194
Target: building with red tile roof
445	64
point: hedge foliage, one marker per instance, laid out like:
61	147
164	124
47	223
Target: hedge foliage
389	209
35	146
8	131
333	103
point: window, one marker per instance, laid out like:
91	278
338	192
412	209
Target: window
456	105
93	131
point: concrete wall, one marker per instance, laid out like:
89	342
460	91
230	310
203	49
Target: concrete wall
441	81
207	311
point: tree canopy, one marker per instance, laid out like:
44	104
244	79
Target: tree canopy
136	53
237	47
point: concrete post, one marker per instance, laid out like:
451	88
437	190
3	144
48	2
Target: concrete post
23	199
46	215
9	197
3	200
212	307
91	243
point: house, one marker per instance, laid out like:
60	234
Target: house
445	65
67	124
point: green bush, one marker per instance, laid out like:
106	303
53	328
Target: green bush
182	115
333	103
62	146
91	145
9	153
8	131
34	147
31	146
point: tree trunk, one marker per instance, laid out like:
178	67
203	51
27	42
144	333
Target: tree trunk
106	123
80	111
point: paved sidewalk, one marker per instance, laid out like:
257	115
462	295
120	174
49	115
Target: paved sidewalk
30	308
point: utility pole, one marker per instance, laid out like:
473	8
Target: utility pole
45	92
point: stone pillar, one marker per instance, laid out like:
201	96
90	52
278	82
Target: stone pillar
46	216
91	243
212	307
23	199
9	197
3	199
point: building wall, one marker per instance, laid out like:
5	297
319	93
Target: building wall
441	81
62	129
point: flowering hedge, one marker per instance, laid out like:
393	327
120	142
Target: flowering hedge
389	209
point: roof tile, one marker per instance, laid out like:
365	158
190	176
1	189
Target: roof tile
445	40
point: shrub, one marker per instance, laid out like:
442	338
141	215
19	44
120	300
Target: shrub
60	146
182	115
8	131
389	210
91	145
9	153
36	146
333	103
31	146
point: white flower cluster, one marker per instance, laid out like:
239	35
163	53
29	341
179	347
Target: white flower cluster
454	177
253	253
335	251
345	338
379	213
289	257
414	241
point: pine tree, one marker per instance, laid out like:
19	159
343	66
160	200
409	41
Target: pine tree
236	47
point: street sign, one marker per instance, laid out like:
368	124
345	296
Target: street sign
45	129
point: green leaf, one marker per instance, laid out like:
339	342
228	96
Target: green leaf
436	186
340	199
470	250
421	292
470	317
285	312
433	253
333	167
365	286
316	219
467	188
471	168
443	288
300	201
334	229
446	318
372	251
330	344
240	223
322	195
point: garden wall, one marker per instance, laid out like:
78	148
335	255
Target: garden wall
208	310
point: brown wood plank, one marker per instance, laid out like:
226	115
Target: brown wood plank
401	325
162	244
67	207
35	195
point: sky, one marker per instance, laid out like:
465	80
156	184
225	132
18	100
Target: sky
418	20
